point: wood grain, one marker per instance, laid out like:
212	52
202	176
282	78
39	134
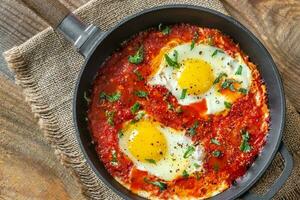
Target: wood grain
18	23
29	168
52	11
277	24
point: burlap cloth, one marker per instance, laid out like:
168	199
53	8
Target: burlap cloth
46	67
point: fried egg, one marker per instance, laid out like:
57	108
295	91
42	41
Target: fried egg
200	73
161	151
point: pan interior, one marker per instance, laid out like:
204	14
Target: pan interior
203	17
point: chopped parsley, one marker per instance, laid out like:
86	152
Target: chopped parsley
195	38
183	94
231	87
227	104
190	150
138	75
216	153
138	57
137	117
196	165
120	134
164	29
151	161
214	141
217	80
245	146
111	98
162	186
192	131
141	93
228	84
216	52
185	174
239	70
173	63
170	106
136	106
110	117
243	90
114	158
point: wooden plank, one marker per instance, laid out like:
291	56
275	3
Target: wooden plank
18	24
29	167
277	24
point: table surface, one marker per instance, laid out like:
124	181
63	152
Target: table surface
25	153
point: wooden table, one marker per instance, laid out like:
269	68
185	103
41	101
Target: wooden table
29	168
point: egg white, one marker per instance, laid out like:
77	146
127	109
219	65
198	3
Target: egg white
172	165
221	63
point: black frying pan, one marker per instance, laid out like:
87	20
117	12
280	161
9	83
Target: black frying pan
96	45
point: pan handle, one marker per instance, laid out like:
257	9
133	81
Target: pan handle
81	35
288	167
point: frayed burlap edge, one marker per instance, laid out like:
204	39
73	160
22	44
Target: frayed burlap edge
68	153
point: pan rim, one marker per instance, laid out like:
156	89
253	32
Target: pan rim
269	58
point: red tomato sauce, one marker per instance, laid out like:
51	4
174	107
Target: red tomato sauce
246	113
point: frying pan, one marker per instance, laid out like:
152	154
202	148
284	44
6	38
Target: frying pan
96	45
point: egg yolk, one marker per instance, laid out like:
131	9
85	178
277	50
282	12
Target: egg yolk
146	142
196	76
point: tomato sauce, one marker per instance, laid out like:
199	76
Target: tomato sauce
248	112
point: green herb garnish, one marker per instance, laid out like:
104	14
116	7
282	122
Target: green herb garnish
164	29
114	97
137	117
111	98
138	57
227	104
228	83
170	106
216	52
114	158
217	80
151	161
138	75
183	94
245	146
173	63
102	95
136	106
192	131
216	153
243	90
190	150
214	141
141	93
195	38
162	186
120	134
239	70
110	117
185	174
196	165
